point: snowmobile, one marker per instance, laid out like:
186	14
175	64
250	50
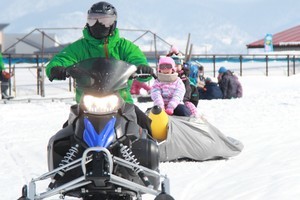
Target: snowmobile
101	153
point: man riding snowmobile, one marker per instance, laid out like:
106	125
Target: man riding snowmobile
96	58
101	39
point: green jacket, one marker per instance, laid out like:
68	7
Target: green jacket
89	47
1	63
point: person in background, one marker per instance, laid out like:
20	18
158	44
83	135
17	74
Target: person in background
168	89
4	78
191	95
194	72
229	84
137	86
101	39
201	78
201	81
174	52
211	90
193	77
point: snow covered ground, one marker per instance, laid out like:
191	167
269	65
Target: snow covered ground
266	120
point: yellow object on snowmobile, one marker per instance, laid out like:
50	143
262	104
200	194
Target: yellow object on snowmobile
159	125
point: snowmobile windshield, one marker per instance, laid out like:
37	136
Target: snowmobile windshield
101	74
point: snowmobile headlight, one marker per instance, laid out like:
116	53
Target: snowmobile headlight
101	105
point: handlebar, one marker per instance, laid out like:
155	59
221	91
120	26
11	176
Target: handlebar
75	72
135	75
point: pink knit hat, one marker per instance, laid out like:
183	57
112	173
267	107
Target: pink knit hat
166	61
174	50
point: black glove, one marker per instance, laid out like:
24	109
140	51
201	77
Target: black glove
58	73
143	69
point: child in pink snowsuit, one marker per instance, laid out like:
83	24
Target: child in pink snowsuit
168	89
183	73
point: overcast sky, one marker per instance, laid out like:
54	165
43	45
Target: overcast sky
216	26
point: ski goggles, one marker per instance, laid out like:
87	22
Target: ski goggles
106	20
165	66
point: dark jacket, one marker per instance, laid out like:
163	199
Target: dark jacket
191	93
230	86
211	91
183	75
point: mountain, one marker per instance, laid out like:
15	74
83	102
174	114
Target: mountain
215	26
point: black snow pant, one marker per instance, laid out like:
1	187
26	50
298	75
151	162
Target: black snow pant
4	88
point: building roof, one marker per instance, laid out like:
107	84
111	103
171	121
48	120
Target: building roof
2	26
19	44
289	37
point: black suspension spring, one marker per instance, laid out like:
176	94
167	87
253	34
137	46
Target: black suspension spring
69	157
130	157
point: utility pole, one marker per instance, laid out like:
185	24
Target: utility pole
187	47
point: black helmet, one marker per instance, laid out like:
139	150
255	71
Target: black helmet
103	8
102	19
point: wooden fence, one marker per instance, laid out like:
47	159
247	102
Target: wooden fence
29	70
